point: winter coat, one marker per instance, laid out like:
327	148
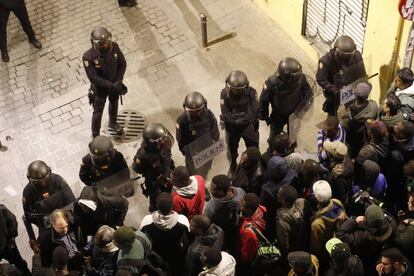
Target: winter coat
227	267
406	97
102	263
48	240
364	241
391	121
278	173
214	238
8	229
352	266
292	227
167	234
110	210
224	212
248	242
341	178
189	200
404	238
324	223
250	179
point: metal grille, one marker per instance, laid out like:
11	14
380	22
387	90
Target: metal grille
326	20
133	122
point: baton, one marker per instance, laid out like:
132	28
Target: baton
376	74
120	97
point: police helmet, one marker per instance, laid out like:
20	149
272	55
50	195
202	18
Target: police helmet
101	40
237	83
345	49
38	173
157	134
101	151
289	69
195	105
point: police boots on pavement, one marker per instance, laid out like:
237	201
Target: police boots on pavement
127	3
102	161
153	161
8	247
197	121
284	91
105	67
18	7
44	193
239	115
334	70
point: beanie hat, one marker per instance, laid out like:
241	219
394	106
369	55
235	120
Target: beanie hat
337	249
300	259
336	148
322	190
60	256
374	215
124	236
363	89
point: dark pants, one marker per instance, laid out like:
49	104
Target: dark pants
277	125
331	104
249	135
12	255
98	108
21	13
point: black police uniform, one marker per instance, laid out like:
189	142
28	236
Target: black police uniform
155	165
41	201
240	117
284	97
18	7
8	233
104	71
89	174
187	131
330	76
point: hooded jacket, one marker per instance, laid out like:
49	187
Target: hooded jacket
167	234
365	241
248	242
278	173
324	223
227	267
224	212
8	229
404	236
406	97
352	266
292	227
373	151
250	179
213	238
189	200
390	121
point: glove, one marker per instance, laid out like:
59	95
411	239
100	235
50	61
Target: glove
222	124
124	89
91	97
117	87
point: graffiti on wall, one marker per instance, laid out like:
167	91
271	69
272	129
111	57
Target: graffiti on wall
328	19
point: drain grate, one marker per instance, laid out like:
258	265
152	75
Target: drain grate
133	123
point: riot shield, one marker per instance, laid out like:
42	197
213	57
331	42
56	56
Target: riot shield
351	76
203	150
301	110
60	200
119	183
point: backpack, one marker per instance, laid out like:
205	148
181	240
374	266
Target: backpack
267	255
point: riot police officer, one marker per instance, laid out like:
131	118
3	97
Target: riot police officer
239	115
339	67
153	161
44	193
102	161
195	123
284	91
105	67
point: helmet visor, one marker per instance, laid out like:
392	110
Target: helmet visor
102	46
343	57
195	114
100	161
40	181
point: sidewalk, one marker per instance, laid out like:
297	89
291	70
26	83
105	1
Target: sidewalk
43	103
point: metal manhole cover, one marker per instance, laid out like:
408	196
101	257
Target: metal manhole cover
133	123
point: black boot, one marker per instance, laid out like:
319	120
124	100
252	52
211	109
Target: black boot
115	126
5	55
127	3
36	43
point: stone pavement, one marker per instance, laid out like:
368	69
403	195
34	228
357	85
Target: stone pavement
43	103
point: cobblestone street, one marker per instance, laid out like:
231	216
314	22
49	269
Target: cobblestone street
44	108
